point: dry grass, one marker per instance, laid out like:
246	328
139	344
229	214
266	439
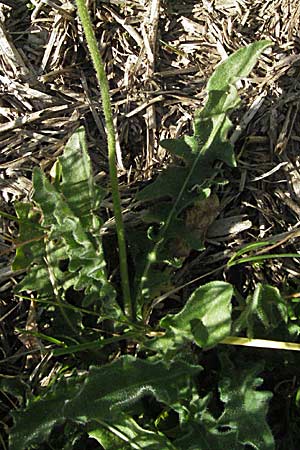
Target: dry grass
158	58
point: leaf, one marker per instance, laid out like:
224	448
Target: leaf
126	434
34	424
106	392
85	258
246	407
103	395
66	231
14	385
243	421
37	279
205	319
31	235
181	186
237	66
161	278
264	307
78	186
210	128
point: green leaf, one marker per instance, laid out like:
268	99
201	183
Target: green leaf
14	385
183	185
264	307
65	230
205	319
126	434
37	279
85	257
30	233
78	186
210	128
105	394
246	407
160	280
243	421
34	424
237	66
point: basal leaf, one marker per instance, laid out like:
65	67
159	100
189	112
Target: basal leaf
243	421
126	434
183	185
211	126
30	234
205	319
113	388
246	407
13	385
69	219
78	187
237	66
265	308
34	424
64	251
84	253
37	279
104	395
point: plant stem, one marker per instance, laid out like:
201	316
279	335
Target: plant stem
111	140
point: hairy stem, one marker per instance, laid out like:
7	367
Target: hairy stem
104	88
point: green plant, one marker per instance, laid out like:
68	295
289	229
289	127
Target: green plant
152	398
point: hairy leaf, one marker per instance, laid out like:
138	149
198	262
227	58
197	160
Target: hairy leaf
30	234
265	307
104	395
63	230
243	421
181	186
126	434
205	319
34	424
78	186
246	407
80	246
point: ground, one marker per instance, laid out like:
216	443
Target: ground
158	57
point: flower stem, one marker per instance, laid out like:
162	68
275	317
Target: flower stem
111	140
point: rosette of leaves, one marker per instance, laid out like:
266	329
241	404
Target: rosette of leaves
151	402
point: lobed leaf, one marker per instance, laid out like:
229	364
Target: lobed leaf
85	254
104	395
237	66
62	227
181	186
246	406
78	186
34	423
243	421
30	234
